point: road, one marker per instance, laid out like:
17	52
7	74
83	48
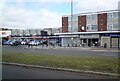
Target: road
18	72
71	52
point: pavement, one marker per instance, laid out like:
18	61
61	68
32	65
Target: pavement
99	49
71	48
80	48
70	51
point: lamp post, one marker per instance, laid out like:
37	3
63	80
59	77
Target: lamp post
82	29
71	22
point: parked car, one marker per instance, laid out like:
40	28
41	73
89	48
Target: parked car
23	42
34	43
16	43
7	42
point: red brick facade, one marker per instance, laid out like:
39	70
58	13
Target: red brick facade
82	23
64	24
102	22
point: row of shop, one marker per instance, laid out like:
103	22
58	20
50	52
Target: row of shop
111	42
108	39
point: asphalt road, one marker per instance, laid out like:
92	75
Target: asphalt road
18	72
72	52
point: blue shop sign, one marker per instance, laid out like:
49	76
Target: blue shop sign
114	35
106	34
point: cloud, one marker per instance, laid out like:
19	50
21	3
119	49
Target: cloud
20	17
39	0
95	5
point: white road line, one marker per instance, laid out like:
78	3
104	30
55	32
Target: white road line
100	50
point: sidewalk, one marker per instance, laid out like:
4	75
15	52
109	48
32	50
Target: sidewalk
97	49
106	49
79	48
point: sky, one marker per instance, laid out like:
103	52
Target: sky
38	14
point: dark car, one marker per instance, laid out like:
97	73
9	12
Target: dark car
16	43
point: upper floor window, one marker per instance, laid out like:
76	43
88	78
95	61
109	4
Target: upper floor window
92	27
115	26
109	27
88	17
92	16
74	18
88	27
112	27
75	29
110	15
113	15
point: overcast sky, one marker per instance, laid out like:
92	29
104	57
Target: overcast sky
24	14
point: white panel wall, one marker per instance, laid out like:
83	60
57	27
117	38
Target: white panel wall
105	39
6	33
91	20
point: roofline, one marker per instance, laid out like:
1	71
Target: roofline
91	13
97	32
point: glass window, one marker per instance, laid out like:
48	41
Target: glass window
75	29
94	27
112	27
88	27
115	26
115	15
75	23
75	18
110	15
94	16
109	27
88	17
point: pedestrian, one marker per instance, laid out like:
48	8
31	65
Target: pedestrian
28	44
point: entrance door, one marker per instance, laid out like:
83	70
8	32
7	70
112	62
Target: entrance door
89	42
115	42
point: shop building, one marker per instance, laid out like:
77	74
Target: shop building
91	29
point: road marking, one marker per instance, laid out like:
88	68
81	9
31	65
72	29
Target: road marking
100	50
106	50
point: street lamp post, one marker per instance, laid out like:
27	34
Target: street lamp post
71	22
82	29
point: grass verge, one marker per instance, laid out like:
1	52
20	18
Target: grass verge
109	65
